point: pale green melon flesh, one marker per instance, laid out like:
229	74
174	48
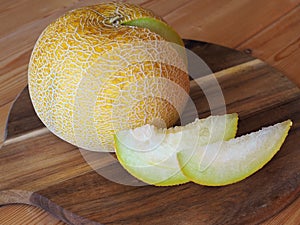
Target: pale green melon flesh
227	162
149	153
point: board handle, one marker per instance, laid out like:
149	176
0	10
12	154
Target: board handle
8	197
4	123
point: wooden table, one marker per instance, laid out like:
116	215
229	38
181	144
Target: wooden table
265	29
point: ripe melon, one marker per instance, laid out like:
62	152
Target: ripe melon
226	162
104	68
149	153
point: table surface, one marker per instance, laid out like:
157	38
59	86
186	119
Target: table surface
267	30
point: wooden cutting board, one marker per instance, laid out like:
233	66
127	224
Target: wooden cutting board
37	168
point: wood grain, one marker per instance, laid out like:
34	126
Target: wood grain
267	44
267	29
38	216
55	176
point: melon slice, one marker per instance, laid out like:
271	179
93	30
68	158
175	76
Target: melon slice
227	162
149	153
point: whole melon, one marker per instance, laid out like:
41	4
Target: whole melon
104	68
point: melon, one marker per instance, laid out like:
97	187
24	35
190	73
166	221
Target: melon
226	162
104	68
149	153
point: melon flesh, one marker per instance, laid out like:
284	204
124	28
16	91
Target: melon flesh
227	162
149	153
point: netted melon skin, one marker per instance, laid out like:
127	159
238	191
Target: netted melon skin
88	79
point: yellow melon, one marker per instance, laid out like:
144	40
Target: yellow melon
104	68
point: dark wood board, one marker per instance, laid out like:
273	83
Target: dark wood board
38	168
